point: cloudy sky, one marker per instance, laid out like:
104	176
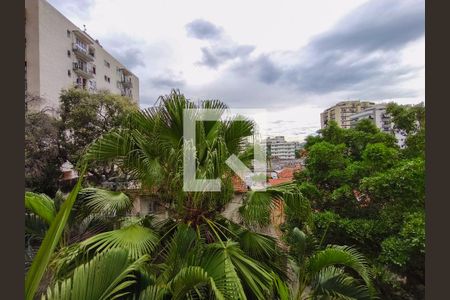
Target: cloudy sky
292	57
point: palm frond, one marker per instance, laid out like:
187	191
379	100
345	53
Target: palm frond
153	292
332	282
346	256
217	263
106	276
193	281
40	205
136	239
104	202
257	208
236	274
51	240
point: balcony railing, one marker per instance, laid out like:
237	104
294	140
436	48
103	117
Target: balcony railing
126	83
82	70
82	53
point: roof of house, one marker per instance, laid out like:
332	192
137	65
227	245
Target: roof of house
239	185
279	181
288	172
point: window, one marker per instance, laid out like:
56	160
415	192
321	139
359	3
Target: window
93	70
69	73
107	64
68	33
68	53
107	79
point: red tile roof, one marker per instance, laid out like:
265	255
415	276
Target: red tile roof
279	181
239	185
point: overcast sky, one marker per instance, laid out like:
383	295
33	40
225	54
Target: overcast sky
294	58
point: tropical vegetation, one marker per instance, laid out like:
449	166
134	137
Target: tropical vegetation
370	193
92	247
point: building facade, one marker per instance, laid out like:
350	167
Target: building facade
341	112
59	55
381	119
278	147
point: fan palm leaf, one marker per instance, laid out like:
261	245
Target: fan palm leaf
100	201
138	240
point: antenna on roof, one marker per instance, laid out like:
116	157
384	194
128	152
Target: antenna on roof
84	28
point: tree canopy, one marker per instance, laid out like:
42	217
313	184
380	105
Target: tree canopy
369	193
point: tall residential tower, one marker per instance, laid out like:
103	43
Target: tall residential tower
59	55
341	112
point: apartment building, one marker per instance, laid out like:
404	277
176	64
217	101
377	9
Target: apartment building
341	112
278	147
59	55
381	119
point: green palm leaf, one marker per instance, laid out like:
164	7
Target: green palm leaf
257	208
106	276
50	242
99	201
236	274
334	283
193	281
153	292
259	204
138	240
40	205
340	255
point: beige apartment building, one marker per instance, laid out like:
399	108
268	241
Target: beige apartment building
342	111
379	116
59	55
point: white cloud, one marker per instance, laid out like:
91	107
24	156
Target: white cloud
260	40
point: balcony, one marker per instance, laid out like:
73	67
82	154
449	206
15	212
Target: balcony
82	70
126	83
84	54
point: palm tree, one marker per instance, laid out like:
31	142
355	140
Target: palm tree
196	253
328	273
150	147
95	210
228	260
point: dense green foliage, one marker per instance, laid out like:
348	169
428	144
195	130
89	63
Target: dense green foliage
42	155
369	193
50	140
86	116
354	219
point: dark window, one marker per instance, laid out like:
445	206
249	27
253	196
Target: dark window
69	73
68	53
68	33
93	70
